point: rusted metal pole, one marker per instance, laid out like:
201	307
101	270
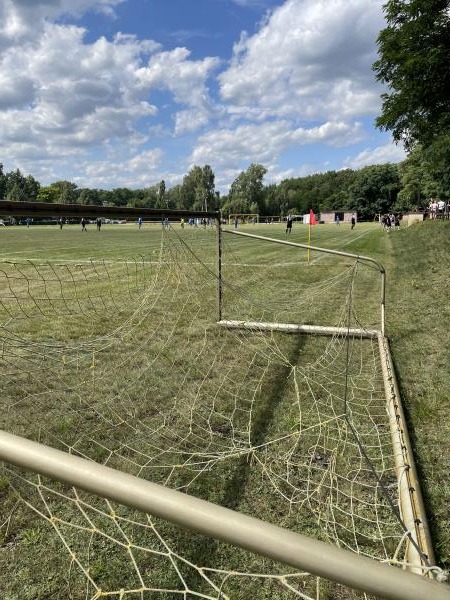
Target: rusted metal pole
279	544
295	328
411	501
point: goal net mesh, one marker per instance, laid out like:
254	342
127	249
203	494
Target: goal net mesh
123	363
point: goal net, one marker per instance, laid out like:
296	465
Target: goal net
123	362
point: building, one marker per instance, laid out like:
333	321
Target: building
331	216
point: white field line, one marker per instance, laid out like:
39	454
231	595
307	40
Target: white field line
2	256
96	261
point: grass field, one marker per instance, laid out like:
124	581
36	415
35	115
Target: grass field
117	349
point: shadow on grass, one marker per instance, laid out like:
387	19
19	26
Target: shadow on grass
204	551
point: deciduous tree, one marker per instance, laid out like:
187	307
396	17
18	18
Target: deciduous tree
414	59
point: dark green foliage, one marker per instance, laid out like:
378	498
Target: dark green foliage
247	191
16	186
414	51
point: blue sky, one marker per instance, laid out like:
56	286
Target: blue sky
111	93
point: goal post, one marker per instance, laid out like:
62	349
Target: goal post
367	259
221	523
412	506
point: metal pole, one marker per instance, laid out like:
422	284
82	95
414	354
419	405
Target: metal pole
219	265
411	501
294	328
328	251
221	523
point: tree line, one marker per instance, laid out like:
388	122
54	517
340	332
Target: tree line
369	191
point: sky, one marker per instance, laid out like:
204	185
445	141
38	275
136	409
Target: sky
125	93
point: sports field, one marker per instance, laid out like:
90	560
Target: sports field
111	350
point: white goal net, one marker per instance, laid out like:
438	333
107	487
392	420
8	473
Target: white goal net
122	362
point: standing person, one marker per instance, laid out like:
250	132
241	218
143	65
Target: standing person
235	222
99	224
139	222
353	221
289	220
83	224
61	222
182	222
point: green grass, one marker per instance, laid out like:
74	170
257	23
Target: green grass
419	325
101	340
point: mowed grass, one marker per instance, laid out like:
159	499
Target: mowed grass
412	251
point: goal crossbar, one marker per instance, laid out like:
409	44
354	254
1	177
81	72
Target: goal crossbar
221	523
293	328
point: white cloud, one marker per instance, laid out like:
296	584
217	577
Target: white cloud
265	142
72	107
190	120
59	94
141	170
24	19
389	153
310	59
184	78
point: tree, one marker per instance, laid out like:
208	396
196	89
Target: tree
162	201
88	196
16	186
436	166
198	188
247	189
175	197
2	182
374	190
414	58
411	177
121	196
65	191
48	193
32	188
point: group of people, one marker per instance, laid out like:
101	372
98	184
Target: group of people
389	221
436	208
84	222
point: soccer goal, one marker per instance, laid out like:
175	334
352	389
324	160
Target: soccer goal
199	424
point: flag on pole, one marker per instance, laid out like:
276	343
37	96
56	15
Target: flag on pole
312	221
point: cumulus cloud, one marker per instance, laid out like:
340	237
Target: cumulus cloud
23	20
310	59
141	170
265	142
184	78
389	153
59	94
303	78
